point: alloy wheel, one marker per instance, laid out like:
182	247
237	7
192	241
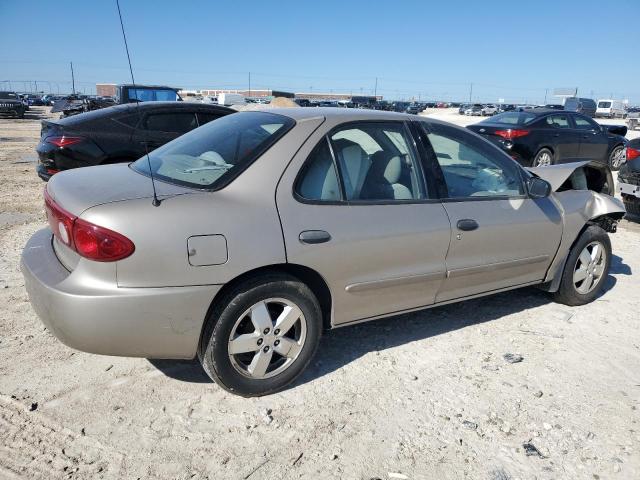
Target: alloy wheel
543	159
618	157
267	338
589	268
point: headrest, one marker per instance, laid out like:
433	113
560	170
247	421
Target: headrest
385	166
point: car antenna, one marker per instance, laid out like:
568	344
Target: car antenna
156	201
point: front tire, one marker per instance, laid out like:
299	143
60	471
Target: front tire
261	335
543	158
631	204
586	268
617	157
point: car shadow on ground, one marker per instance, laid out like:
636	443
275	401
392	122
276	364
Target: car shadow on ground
344	345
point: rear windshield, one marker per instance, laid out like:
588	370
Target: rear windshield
211	156
513	118
604	104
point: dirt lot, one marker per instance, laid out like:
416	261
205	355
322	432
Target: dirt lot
421	396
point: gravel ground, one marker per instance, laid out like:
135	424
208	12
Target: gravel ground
421	396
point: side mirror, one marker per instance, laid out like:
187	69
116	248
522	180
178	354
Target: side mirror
538	188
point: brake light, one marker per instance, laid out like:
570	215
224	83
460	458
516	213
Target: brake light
632	153
63	141
510	134
89	240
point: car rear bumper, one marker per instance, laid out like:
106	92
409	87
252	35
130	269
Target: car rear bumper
629	189
98	317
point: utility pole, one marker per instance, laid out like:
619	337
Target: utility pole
545	95
249	83
73	80
470	92
375	89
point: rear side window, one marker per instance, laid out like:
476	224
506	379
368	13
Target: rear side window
130	120
319	179
212	156
171	122
583	123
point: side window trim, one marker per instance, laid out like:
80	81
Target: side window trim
446	198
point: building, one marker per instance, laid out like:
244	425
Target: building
106	89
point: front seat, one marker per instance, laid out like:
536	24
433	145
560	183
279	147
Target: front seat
382	181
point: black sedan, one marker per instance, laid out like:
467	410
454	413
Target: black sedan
540	137
122	133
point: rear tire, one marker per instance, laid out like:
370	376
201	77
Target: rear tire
617	157
246	321
586	268
543	158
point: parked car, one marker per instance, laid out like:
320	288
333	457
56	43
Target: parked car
474	110
122	133
586	106
540	137
506	107
489	110
35	100
554	106
271	226
633	117
413	109
462	108
610	108
11	105
629	178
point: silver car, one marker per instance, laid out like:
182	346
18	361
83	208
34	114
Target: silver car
241	241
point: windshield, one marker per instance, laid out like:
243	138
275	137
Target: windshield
604	104
514	118
212	155
8	96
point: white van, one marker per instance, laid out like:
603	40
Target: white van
229	99
610	108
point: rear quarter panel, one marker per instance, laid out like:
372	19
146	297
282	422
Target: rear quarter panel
244	212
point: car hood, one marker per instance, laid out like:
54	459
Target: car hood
82	188
556	175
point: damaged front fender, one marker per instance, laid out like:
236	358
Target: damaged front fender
580	208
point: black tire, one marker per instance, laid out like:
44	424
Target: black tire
543	151
631	204
213	350
568	293
612	154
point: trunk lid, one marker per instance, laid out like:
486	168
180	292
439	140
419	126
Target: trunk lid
82	188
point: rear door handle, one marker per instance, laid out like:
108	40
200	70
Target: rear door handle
467	224
312	237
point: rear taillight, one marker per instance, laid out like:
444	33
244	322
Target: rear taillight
510	134
63	141
632	153
91	241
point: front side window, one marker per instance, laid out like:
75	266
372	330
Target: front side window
171	122
470	168
211	156
558	121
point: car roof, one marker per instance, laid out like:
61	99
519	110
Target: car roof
345	114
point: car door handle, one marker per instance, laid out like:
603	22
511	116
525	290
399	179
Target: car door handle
312	237
467	224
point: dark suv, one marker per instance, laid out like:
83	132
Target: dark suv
122	133
586	106
11	104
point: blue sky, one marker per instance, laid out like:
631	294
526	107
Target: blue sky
435	50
